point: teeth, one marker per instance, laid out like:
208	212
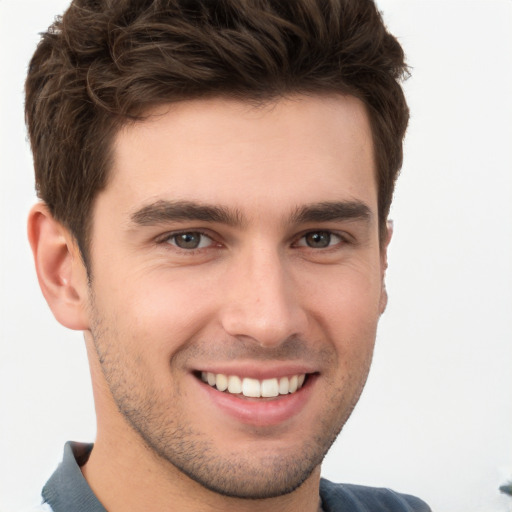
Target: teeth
293	384
284	385
251	387
221	382
254	388
234	385
269	388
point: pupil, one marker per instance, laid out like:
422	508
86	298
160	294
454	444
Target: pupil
188	240
319	239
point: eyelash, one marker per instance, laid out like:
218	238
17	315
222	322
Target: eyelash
341	239
171	237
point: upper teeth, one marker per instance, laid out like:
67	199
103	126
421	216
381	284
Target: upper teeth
253	387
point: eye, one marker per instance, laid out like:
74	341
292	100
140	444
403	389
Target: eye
319	239
190	240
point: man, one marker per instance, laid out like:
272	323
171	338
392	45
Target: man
215	180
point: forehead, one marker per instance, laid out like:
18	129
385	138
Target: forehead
288	152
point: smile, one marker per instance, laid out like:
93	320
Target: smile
254	388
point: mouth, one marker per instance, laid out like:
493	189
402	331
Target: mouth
254	388
268	401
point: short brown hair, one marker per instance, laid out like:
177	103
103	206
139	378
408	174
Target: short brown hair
106	62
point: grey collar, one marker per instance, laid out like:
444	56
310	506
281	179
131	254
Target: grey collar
67	490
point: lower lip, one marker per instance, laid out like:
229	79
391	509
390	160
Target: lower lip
262	412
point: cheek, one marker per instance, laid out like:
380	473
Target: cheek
346	308
161	310
350	295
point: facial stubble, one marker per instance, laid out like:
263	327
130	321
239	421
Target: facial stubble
176	444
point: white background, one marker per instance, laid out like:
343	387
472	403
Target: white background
436	417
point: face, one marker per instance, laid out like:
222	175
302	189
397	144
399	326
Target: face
237	285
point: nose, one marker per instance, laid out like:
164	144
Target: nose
262	301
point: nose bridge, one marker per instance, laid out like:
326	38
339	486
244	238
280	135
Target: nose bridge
262	302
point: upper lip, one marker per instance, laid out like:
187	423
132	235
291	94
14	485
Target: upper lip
258	370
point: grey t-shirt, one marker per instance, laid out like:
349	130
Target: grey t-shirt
68	491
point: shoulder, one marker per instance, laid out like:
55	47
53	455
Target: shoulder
359	498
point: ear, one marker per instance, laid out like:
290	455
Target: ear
61	273
384	265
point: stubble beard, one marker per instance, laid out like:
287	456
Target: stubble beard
239	474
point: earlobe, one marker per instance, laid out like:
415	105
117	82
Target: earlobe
383	298
61	273
384	265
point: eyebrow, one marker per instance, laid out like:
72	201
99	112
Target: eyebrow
169	211
332	211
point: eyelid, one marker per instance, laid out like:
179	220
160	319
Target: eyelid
167	238
343	238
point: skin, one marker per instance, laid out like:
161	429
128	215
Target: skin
260	296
